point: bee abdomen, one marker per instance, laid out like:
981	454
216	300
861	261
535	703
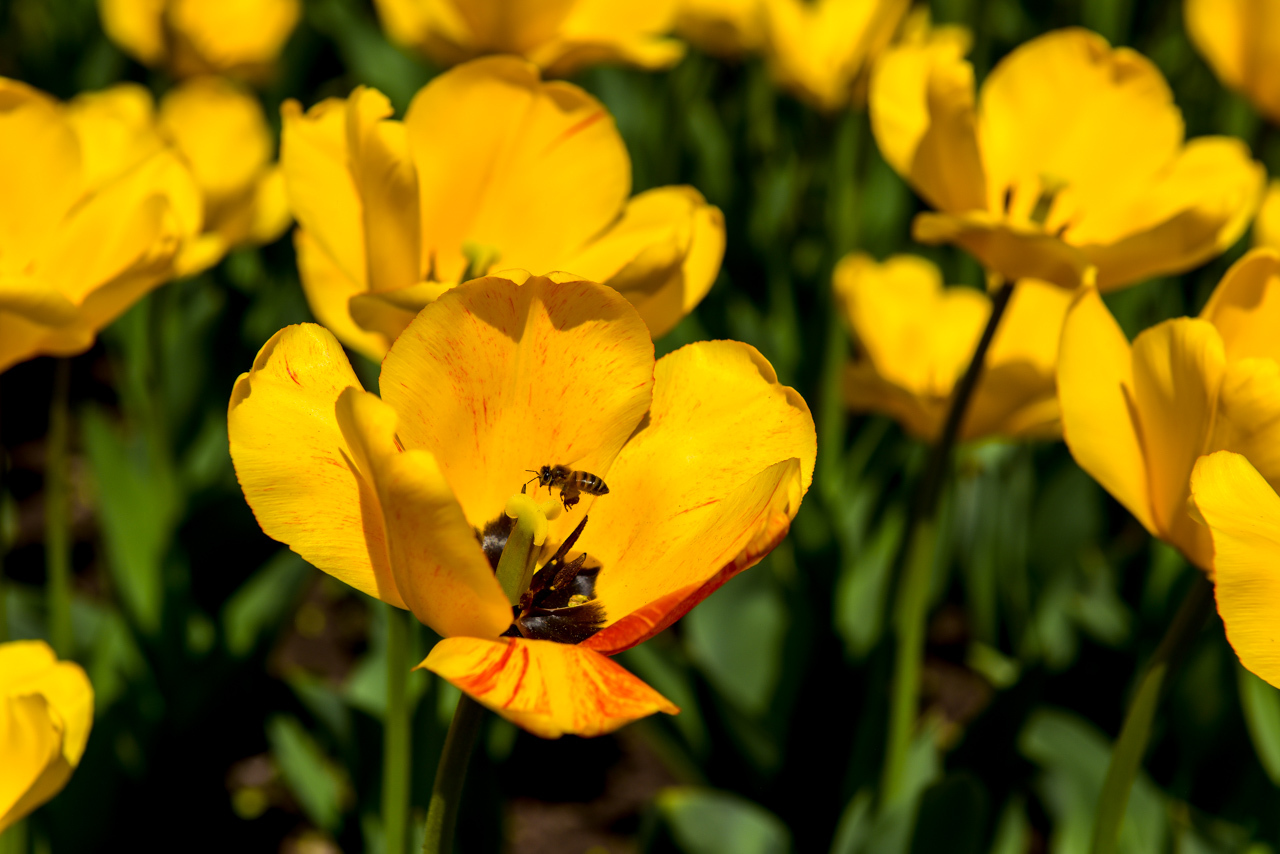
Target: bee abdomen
591	484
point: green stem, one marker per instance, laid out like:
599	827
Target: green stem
1126	755
395	736
451	773
912	604
57	524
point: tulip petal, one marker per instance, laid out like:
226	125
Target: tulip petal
710	473
528	169
663	254
232	35
551	689
1243	514
41	180
31	667
30	743
1095	382
1178	368
1245	306
329	292
322	193
439	568
137	26
1266	226
495	378
296	468
1248	417
1010	251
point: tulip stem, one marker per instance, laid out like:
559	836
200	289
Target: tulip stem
451	773
395	736
1127	753
57	526
912	604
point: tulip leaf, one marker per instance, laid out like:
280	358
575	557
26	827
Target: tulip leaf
952	817
705	821
262	602
1261	704
864	583
310	775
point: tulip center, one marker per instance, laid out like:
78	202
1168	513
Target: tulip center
557	601
480	259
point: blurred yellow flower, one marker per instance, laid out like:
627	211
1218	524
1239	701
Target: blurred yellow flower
1073	157
915	339
491	168
1266	228
821	50
1242	512
706	456
1138	417
1239	40
559	36
727	28
238	37
46	712
221	131
97	211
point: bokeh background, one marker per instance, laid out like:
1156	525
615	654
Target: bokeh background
240	692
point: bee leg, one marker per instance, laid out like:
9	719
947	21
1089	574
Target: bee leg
569	499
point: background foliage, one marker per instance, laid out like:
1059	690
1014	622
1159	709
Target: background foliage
240	692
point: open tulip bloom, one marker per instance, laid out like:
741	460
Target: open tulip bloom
1072	160
705	455
1138	417
46	712
916	338
492	168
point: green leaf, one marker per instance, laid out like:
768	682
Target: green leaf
1261	704
952	817
706	821
261	603
139	506
864	583
314	780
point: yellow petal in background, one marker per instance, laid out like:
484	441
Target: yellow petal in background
235	36
709	470
551	689
46	712
298	471
439	569
1266	227
1245	306
1095	392
329	291
1243	515
1240	39
726	28
497	377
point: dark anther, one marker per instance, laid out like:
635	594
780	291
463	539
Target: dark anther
559	604
1008	199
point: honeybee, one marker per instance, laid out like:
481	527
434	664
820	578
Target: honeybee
571	483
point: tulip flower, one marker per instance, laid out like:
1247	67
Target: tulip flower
559	37
1072	158
97	211
221	132
46	712
1242	512
189	37
705	455
916	338
490	169
1266	228
1237	39
1138	417
821	50
727	28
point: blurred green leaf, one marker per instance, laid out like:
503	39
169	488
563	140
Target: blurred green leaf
864	583
706	821
261	603
652	662
1261	705
324	703
866	830
312	777
952	817
138	505
736	638
1013	833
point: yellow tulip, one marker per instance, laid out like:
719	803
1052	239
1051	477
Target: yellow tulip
1266	228
916	338
221	131
727	28
705	454
1138	417
97	211
820	50
491	168
46	712
1073	157
559	36
1242	512
187	37
1240	39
